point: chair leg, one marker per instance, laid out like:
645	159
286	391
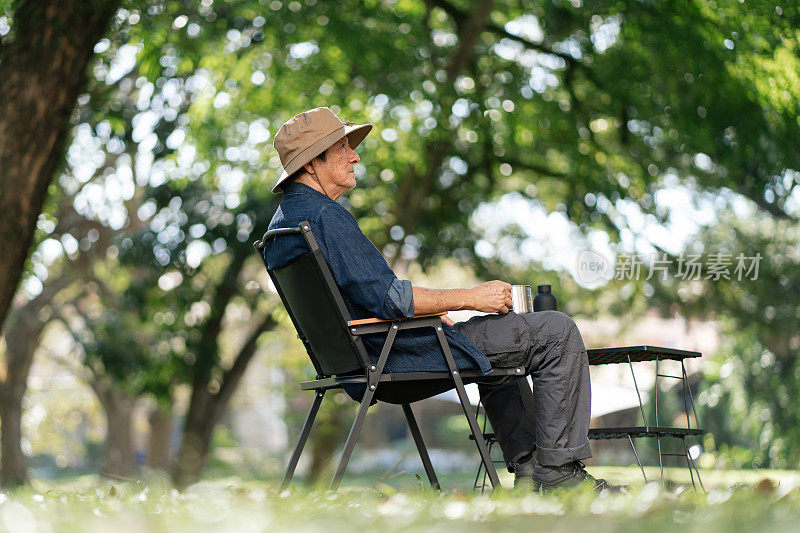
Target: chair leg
423	451
486	472
372	385
301	441
480	463
467	408
355	429
478	477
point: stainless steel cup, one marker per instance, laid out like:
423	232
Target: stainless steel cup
522	297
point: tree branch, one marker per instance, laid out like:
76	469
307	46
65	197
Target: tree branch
461	16
518	163
762	204
24	329
94	373
539	47
207	347
470	31
232	376
80	371
226	290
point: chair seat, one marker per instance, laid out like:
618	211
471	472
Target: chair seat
410	387
468	376
365	321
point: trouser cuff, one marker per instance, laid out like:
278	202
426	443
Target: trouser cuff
517	459
562	456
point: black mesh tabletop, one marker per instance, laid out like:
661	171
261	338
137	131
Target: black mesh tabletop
604	356
641	431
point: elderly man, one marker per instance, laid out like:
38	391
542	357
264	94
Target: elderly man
542	443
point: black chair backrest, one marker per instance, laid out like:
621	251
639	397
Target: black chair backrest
315	306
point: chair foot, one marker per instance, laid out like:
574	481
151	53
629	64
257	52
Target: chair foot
301	441
423	451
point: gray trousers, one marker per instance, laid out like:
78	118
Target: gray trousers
549	346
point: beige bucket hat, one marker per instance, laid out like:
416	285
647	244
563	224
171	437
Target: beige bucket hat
308	134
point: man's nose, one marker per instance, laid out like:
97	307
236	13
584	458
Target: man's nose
353	156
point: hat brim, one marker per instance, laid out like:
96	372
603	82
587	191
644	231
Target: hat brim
355	135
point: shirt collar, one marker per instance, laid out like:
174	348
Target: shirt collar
296	188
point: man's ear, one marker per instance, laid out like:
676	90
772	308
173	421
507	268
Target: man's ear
308	167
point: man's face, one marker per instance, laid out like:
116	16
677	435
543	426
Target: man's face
337	168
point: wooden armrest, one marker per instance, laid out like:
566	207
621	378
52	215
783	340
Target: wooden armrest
364	321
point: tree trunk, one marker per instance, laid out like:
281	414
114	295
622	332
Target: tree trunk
194	448
14	464
22	334
160	438
328	435
119	458
43	65
206	407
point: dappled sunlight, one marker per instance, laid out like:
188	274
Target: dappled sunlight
642	158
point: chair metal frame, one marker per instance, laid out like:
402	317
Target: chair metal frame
329	376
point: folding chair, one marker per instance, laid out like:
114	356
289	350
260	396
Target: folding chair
334	345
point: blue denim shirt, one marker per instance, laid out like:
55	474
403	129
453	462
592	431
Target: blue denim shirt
369	287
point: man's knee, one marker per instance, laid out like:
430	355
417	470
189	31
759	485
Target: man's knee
561	333
559	323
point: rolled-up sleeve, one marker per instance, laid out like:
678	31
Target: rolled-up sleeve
358	268
400	298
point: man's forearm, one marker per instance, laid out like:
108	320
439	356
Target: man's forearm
488	297
428	301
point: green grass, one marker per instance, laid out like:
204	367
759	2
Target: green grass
736	501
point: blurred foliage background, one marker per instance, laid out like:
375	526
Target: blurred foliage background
142	279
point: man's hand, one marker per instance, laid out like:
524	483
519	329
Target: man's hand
446	320
492	297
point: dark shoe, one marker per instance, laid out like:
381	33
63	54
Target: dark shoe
523	473
572	474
